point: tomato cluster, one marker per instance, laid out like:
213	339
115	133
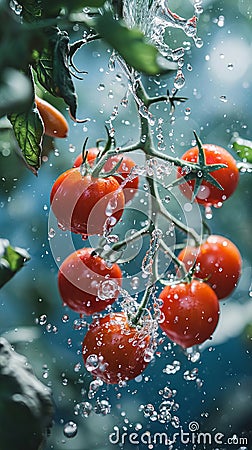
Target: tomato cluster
116	348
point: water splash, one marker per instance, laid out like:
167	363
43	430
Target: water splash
147	262
153	17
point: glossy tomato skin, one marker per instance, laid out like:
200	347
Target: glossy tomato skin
81	277
80	202
124	170
119	347
54	122
227	177
190	312
218	262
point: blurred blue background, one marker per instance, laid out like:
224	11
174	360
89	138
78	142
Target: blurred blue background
219	90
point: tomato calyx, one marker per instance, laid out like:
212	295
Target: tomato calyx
200	171
96	169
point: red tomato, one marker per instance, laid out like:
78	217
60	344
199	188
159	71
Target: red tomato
54	122
227	177
115	351
86	283
124	169
191	312
83	204
218	262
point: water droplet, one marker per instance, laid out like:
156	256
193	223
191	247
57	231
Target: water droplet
134	282
191	375
179	80
102	407
148	355
70	429
92	362
51	233
65	318
171	369
101	87
208	212
94	387
107	289
42	319
83	409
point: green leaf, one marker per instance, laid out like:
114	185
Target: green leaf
31	10
12	260
28	128
53	71
131	45
243	148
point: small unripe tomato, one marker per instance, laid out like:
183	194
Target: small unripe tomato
54	122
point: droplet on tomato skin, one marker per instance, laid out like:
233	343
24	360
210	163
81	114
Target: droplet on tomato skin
148	355
208	212
51	233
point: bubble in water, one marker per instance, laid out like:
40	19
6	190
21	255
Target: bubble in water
70	429
65	318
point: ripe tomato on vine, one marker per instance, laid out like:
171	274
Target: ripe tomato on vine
218	262
114	350
190	312
217	185
87	284
124	170
84	204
